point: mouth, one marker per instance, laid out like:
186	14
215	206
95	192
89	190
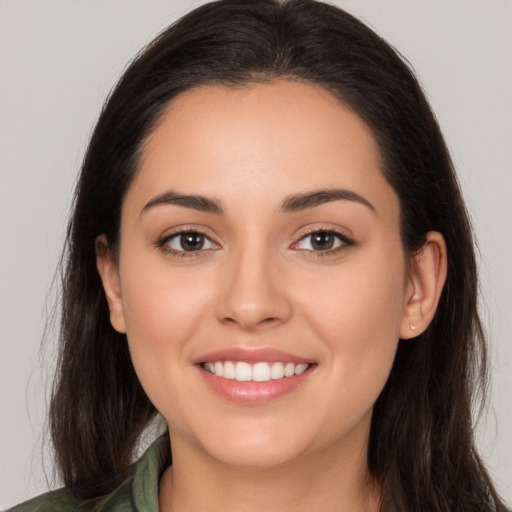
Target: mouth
262	371
254	376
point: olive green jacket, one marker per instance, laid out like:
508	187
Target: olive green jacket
137	494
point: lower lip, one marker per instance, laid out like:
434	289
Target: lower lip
254	393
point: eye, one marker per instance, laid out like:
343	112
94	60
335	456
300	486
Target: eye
323	241
187	241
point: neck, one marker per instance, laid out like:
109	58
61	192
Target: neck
327	481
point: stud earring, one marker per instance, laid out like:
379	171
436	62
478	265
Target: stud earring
412	327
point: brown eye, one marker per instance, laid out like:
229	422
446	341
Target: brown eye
191	241
187	242
323	241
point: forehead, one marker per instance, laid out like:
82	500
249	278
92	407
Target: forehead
261	142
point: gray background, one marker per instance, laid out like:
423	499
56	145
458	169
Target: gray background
58	60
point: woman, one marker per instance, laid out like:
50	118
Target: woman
269	248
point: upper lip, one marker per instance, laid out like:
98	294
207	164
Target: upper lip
251	355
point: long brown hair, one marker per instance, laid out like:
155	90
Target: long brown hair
422	452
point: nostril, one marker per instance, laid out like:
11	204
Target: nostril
251	323
270	320
250	302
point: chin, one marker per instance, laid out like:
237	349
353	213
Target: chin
256	448
257	458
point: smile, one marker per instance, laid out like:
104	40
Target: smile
259	372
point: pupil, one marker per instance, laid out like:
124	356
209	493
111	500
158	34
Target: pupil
322	241
192	241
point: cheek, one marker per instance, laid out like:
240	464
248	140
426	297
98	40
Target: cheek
358	314
162	310
363	297
159	300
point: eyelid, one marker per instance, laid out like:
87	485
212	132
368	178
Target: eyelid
162	242
345	239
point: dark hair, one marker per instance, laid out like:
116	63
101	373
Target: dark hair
422	452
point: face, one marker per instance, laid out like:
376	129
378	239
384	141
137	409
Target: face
261	278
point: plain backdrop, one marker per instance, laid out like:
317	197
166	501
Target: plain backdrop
59	59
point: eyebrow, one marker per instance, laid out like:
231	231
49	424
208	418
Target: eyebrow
294	203
308	200
195	202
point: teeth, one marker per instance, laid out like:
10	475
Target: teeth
259	372
243	372
289	370
277	371
300	368
228	371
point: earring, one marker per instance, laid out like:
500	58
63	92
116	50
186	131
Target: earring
412	327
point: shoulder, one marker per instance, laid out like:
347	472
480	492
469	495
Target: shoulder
137	493
62	501
55	501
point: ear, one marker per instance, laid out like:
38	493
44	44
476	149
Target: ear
427	275
109	274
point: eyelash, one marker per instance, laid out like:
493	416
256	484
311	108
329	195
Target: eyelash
345	240
162	244
341	237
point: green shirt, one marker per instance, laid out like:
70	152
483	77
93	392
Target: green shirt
137	494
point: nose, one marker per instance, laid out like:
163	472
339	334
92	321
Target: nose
254	294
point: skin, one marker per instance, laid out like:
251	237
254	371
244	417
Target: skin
258	283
